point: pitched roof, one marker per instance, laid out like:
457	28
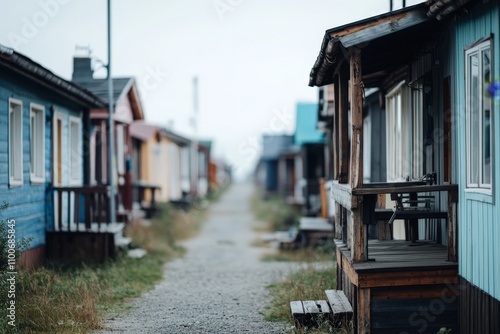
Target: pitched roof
100	87
143	131
399	32
19	64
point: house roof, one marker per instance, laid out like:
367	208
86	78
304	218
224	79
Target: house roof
306	131
143	131
19	64
396	35
274	145
122	87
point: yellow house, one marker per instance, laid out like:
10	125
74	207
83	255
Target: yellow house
161	163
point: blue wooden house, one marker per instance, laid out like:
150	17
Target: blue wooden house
475	109
43	120
311	165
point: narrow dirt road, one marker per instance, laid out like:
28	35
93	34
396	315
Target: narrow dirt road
219	286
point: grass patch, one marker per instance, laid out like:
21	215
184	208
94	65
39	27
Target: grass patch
318	254
275	212
76	298
306	284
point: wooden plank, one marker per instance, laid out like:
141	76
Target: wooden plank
323	307
406	277
338	221
402	188
447	128
310	307
297	308
452	226
341	193
324	203
336	128
364	311
338	302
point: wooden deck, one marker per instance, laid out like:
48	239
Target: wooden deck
399	279
395	255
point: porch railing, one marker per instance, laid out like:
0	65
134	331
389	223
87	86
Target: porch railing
81	208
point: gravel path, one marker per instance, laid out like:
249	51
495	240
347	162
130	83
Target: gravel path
219	286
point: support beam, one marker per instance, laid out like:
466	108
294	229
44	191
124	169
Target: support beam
360	240
343	93
364	311
336	127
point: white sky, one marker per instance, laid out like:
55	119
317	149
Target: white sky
252	57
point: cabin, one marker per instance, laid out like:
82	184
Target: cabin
44	146
204	150
311	143
407	281
127	109
474	101
267	168
159	170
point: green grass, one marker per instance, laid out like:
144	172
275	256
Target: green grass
306	284
323	253
275	212
76	298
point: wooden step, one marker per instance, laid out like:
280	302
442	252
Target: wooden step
310	312
340	306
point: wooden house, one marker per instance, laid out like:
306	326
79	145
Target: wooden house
267	169
158	167
473	81
311	143
407	285
127	108
204	149
44	146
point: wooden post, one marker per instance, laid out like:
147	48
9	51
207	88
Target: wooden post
356	177
336	127
343	125
364	311
338	221
324	200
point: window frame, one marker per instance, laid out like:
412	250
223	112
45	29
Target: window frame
37	115
75	152
477	49
15	146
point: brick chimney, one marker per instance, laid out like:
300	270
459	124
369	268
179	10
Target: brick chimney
82	69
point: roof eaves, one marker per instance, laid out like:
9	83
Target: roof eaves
27	68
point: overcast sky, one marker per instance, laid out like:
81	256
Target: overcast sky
252	57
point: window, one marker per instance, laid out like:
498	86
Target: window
398	158
75	142
478	132
15	142
37	143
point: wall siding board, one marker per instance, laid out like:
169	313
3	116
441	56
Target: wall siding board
478	227
29	204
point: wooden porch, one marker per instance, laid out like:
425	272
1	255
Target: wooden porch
83	230
406	288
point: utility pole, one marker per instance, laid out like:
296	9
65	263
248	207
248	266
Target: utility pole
194	144
111	130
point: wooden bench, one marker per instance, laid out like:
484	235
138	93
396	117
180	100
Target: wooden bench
341	308
314	230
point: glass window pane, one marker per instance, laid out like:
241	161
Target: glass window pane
474	103
486	112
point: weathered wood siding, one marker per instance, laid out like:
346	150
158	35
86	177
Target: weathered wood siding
479	228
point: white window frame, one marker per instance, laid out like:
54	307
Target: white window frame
37	143
476	162
16	173
75	150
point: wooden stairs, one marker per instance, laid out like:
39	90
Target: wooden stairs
310	313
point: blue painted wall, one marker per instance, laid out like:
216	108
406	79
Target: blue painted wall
479	214
305	127
29	204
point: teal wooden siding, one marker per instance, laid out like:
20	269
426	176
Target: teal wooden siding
479	214
29	204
